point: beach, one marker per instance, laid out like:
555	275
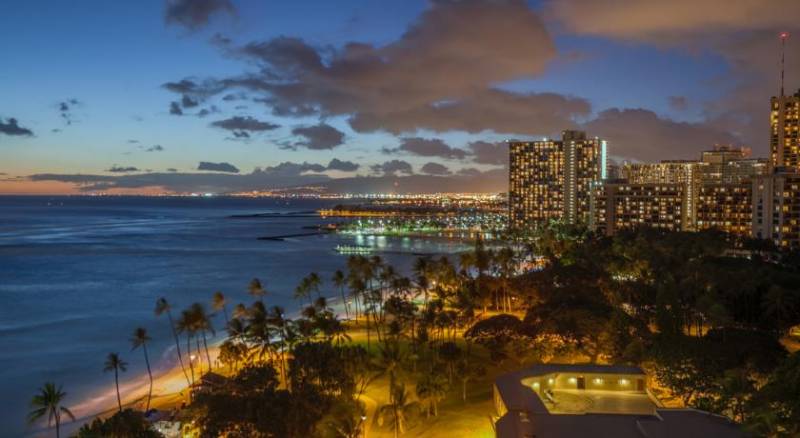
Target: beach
84	272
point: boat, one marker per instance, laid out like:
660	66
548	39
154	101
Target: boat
353	249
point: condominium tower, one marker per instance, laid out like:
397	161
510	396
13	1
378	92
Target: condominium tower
784	137
553	179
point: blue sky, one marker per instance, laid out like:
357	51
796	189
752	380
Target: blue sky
114	57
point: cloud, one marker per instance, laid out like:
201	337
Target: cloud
441	74
489	153
194	14
742	32
678	103
188	102
155	148
342	166
11	127
206	111
184	86
664	20
492	181
258	179
485	110
242	127
65	108
427	148
469	171
641	134
122	169
217	167
319	137
175	109
282	176
432	168
393	167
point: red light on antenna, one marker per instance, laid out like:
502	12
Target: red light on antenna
784	35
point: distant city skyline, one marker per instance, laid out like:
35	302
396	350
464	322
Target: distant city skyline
236	95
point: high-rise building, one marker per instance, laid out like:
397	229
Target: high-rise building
619	204
725	207
784	139
536	178
680	172
552	179
776	209
727	165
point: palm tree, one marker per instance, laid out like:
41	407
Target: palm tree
256	289
162	306
219	302
314	282
186	325
303	290
140	339
421	270
280	325
202	323
432	388
390	362
116	364
399	404
240	311
48	402
340	281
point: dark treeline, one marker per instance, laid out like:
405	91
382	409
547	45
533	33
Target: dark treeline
702	318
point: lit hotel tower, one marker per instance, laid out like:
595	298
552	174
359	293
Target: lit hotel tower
784	122
553	179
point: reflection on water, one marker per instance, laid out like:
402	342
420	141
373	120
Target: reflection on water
81	273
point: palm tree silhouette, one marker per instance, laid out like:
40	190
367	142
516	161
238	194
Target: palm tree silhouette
48	402
340	281
162	306
399	404
219	302
303	290
140	339
186	325
116	364
256	289
432	388
202	323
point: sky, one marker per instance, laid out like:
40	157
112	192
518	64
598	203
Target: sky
225	96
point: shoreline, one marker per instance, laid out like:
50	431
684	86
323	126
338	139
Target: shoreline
169	385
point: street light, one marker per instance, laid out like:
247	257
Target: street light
363	426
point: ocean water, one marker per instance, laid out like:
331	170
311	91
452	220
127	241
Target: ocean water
78	274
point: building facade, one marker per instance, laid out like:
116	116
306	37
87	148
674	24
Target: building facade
681	172
776	209
620	204
784	137
553	179
725	207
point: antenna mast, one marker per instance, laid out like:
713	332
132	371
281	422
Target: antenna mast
784	36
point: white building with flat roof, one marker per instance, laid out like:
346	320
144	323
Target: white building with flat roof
566	401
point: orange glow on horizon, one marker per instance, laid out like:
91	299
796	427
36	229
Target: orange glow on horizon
26	187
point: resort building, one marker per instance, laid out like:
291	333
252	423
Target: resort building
620	204
727	165
566	401
676	172
725	207
784	139
713	193
553	179
776	205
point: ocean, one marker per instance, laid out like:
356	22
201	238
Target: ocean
79	273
